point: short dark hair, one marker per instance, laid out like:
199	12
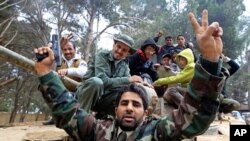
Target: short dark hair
136	88
168	37
180	35
168	55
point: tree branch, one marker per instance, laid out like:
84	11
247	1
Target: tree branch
7	82
7	27
4	2
7	6
133	18
11	40
108	26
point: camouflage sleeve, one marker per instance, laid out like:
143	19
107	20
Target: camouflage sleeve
198	108
65	108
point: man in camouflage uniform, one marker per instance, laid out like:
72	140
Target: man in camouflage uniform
194	115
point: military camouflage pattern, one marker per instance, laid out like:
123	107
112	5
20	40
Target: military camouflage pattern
193	117
227	105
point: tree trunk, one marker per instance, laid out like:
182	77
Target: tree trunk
37	115
16	100
89	37
248	77
27	105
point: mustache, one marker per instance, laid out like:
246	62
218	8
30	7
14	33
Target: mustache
128	116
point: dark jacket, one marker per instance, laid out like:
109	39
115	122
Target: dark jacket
142	66
139	65
151	42
233	67
166	49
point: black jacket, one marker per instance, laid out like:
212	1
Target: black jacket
139	65
231	70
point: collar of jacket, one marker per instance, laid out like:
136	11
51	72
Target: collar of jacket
142	55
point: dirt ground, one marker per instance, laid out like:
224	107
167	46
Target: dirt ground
39	132
33	131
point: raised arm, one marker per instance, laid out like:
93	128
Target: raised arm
198	108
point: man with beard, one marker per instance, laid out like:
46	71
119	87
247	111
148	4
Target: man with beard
72	64
193	116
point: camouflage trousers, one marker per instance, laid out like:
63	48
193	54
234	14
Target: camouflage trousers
174	95
93	98
227	105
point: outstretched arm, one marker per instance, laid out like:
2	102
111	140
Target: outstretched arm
198	108
233	66
65	109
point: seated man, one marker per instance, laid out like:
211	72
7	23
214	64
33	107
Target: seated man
107	72
130	122
72	64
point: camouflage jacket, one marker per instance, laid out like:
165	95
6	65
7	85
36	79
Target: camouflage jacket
193	117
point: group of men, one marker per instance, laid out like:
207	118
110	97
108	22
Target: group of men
108	86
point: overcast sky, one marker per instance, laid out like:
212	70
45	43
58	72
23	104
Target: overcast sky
247	4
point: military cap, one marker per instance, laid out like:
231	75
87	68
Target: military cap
126	40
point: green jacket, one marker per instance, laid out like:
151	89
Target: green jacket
186	73
102	65
192	118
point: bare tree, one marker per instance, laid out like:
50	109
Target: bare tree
17	94
27	102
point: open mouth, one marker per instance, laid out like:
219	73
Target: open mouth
128	118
